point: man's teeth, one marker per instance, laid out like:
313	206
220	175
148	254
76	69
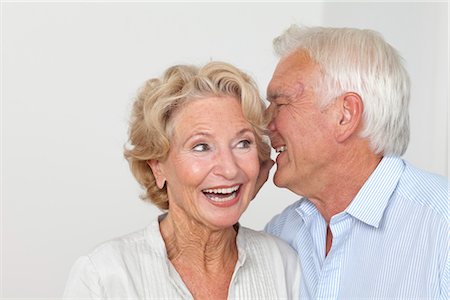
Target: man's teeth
281	149
222	191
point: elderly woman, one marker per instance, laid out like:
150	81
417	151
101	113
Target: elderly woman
196	146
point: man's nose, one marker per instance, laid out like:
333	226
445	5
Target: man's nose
271	113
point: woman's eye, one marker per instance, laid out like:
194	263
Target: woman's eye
201	148
244	144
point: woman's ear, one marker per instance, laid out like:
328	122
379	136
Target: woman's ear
350	108
156	167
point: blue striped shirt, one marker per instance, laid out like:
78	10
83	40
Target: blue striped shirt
392	241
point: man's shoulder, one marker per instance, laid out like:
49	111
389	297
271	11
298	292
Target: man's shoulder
288	217
423	177
262	243
425	189
258	238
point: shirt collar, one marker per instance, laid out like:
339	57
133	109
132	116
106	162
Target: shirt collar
372	199
241	244
307	210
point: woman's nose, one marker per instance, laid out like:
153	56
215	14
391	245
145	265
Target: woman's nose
226	165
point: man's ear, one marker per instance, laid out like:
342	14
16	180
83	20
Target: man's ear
350	110
158	172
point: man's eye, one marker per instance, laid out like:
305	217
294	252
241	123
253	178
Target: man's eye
244	144
201	148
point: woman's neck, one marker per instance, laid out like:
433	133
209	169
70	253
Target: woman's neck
205	259
188	240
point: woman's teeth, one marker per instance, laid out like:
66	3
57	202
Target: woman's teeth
219	199
222	194
222	191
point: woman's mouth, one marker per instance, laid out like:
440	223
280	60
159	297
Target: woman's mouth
222	195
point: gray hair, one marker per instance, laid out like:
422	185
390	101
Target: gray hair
360	61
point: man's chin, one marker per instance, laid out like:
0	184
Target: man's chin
278	180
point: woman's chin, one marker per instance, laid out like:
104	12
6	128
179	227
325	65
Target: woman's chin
225	214
223	220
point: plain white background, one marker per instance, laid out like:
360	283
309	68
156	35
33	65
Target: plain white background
69	75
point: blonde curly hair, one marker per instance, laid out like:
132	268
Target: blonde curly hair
151	127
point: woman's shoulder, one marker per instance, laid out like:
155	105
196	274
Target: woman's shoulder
118	244
133	244
124	251
113	264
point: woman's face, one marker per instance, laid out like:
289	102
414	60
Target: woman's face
213	163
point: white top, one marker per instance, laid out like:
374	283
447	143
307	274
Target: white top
136	267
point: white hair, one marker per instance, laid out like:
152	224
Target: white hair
360	61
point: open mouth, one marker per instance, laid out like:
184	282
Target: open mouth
222	194
280	149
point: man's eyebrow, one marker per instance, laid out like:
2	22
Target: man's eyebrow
289	94
277	95
273	96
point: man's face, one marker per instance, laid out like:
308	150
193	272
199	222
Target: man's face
300	131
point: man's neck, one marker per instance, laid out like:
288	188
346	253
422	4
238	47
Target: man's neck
349	175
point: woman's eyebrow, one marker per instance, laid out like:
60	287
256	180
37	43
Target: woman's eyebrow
243	131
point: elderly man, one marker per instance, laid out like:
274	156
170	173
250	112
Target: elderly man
369	225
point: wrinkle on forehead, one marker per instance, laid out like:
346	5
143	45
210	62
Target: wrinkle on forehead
289	91
290	74
295	90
